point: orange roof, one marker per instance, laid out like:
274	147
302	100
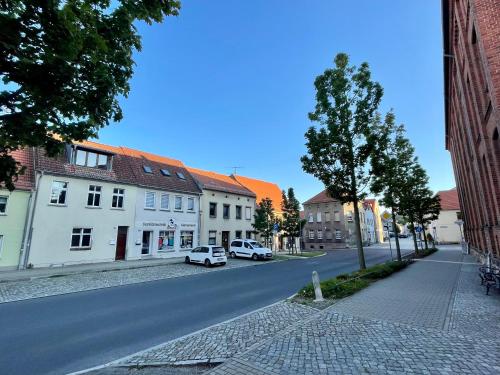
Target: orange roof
219	182
449	199
262	189
322	197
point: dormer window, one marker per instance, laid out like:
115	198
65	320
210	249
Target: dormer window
92	159
165	172
147	169
180	175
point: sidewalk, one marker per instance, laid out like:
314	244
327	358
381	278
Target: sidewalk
37	273
432	318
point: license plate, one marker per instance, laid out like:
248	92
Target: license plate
220	258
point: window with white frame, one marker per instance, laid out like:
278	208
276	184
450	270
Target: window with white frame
164	201
248	213
338	235
3	204
118	196
238	234
81	238
311	234
92	159
190	204
329	235
336	216
150	199
311	218
320	234
1	244
212	209
318	217
58	192
248	234
225	211
238	212
94	196
187	239
212	237
178	203
327	217
166	240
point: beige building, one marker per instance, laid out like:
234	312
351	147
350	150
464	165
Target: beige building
448	227
227	208
350	225
378	225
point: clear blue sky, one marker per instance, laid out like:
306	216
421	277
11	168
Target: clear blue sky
230	83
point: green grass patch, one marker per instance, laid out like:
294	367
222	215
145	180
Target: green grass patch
424	253
347	284
310	254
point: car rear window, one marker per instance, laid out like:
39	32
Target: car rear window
236	243
218	250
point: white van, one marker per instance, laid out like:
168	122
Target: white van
249	249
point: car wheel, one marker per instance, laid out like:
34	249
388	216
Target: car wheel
255	257
207	263
223	264
232	254
187	260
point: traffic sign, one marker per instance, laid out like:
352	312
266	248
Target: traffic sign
418	229
386	215
276	227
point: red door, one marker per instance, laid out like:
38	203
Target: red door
121	243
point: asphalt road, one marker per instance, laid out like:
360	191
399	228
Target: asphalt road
66	333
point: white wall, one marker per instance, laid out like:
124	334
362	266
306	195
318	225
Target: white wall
53	225
219	224
444	228
159	219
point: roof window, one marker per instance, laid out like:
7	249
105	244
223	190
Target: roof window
165	172
180	175
147	169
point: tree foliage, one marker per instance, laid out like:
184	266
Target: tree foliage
264	219
338	152
63	64
290	207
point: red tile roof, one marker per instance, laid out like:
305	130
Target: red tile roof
25	181
262	189
219	182
127	167
449	199
322	197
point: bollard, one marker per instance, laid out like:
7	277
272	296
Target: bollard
317	287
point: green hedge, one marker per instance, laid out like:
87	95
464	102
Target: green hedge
346	284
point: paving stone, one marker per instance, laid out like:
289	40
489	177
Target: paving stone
26	289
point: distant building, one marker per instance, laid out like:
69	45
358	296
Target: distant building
471	31
370	223
227	208
325	223
351	226
447	228
379	228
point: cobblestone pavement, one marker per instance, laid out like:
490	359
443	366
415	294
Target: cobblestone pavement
363	335
20	290
154	370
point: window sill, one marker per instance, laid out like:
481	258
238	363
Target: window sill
117	208
213	217
167	251
150	209
165	209
80	248
3	214
57	205
178	211
190	212
93	207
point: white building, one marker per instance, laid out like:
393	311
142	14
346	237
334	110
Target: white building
93	204
370	224
447	228
227	208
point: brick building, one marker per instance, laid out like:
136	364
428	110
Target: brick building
471	30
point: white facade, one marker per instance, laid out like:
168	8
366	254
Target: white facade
370	225
66	229
225	216
445	229
166	225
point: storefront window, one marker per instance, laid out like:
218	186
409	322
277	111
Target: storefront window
187	239
166	240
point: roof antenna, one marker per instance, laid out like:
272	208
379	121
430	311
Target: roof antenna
235	169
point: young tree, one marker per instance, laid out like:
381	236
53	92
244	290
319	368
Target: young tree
63	64
427	209
291	216
391	163
264	219
338	152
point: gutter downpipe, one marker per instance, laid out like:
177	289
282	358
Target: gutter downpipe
23	262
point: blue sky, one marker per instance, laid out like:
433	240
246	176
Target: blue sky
230	83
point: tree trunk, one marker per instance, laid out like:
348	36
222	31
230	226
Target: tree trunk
394	229
357	232
425	236
414	234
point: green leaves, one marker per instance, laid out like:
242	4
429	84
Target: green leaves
264	218
63	64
